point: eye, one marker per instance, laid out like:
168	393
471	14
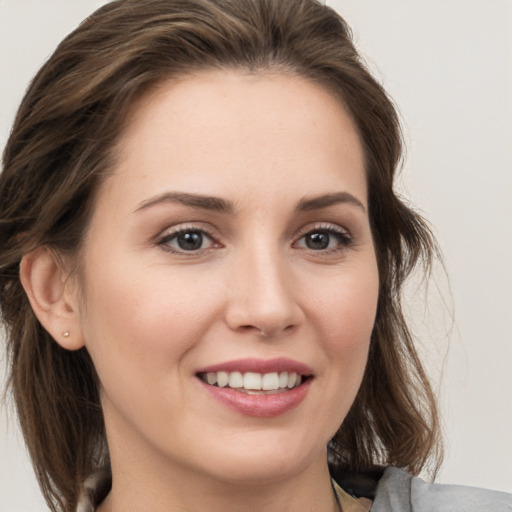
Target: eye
324	239
187	240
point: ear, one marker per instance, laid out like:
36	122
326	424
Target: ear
53	296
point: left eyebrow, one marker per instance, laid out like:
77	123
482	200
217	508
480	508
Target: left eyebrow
316	203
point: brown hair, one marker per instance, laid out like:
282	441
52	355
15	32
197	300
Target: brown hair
61	146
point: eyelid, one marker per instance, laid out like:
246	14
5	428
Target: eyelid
342	232
169	233
322	226
346	238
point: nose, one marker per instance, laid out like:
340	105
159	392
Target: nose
262	295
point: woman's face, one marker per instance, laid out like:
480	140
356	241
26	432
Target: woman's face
231	247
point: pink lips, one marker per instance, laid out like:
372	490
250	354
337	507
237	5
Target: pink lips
281	364
259	405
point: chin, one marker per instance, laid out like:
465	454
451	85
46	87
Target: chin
266	462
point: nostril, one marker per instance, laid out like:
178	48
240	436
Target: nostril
266	332
264	318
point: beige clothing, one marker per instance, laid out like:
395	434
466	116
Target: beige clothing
350	504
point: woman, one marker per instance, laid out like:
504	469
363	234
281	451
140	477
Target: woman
202	258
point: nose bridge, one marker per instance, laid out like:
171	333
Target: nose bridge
262	294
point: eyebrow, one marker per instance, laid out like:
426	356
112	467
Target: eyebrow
220	205
324	201
198	201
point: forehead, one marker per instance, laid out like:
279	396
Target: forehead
239	130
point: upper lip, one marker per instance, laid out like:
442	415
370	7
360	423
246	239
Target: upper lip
281	364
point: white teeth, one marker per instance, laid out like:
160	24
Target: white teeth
236	380
222	379
252	381
270	381
292	379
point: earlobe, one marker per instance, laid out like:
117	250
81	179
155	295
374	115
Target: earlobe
52	296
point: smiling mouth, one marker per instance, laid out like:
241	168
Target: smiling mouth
254	383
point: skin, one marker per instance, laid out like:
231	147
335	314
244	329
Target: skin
152	314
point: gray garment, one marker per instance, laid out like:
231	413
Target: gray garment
397	491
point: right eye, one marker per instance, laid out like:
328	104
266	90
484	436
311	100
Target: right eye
187	240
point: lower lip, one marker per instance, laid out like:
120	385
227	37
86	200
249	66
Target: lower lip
260	406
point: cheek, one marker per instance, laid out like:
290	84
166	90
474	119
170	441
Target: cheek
343	312
146	321
142	331
347	311
345	316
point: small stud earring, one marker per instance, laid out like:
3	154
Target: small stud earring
65	334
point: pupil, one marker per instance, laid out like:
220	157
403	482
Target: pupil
190	241
317	241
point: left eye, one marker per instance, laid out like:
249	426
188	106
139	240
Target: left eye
323	239
187	240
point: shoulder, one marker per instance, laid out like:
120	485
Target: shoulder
397	491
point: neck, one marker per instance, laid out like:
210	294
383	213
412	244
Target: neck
180	489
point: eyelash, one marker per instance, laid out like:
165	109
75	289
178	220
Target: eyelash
343	238
164	240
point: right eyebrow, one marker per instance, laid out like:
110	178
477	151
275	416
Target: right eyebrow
197	201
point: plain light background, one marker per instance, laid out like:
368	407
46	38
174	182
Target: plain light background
448	66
